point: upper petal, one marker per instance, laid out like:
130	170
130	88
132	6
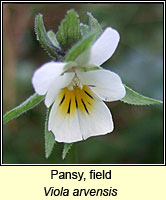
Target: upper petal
104	47
45	75
106	84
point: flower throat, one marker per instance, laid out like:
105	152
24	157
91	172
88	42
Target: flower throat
81	99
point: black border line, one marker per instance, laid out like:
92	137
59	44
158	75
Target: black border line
82	2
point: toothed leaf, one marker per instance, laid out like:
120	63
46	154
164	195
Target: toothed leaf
135	98
28	104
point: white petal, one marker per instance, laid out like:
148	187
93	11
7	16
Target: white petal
65	127
106	84
84	122
45	75
97	122
83	58
57	84
104	47
80	126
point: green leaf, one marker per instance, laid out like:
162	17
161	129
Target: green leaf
67	147
43	38
52	37
30	103
49	137
135	98
93	23
69	30
84	29
80	47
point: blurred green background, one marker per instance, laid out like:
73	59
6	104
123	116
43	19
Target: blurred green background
138	134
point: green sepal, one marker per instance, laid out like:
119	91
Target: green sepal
52	37
44	40
28	104
90	68
69	30
84	29
89	34
49	137
135	98
93	23
66	148
80	47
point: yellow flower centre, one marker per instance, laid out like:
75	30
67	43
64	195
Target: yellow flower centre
74	98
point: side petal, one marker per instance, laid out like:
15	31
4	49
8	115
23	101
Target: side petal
45	75
57	84
104	47
97	122
106	84
65	127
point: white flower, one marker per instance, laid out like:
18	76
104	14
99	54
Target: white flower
78	111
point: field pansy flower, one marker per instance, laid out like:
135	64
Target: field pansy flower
78	111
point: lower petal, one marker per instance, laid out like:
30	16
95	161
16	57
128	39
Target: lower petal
97	122
78	115
65	127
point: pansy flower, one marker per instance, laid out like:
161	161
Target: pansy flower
76	95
